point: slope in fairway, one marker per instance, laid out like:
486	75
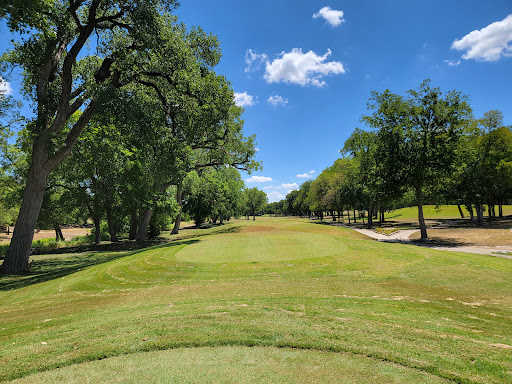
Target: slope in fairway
234	365
345	307
260	243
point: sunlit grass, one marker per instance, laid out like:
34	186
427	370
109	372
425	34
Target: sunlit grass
388	311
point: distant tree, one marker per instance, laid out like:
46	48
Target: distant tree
417	138
303	201
255	201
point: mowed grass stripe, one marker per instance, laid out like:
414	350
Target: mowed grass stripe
444	313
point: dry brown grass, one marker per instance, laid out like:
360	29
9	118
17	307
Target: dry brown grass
489	237
68	233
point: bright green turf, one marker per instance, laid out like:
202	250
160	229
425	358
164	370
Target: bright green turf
264	244
234	365
448	315
432	212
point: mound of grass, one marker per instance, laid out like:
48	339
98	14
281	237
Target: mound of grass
234	365
440	316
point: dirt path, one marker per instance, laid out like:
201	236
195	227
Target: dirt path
402	236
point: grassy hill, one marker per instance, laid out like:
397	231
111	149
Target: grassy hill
275	300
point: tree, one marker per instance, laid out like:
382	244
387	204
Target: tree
62	76
255	200
417	138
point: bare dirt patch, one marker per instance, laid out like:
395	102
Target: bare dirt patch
489	237
68	233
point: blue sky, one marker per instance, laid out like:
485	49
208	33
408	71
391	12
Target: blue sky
376	45
305	69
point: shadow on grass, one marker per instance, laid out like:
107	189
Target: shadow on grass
46	267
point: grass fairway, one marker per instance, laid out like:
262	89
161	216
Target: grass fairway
264	301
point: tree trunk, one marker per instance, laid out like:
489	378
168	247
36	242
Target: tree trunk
254	215
17	258
133	224
421	219
144	225
58	232
370	218
500	212
469	208
177	223
111	224
354	214
479	214
460	211
97	230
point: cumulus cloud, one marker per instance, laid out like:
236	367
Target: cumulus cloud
288	186
332	16
452	63
256	149
277	101
489	43
275	196
5	87
296	67
243	99
254	60
259	179
306	175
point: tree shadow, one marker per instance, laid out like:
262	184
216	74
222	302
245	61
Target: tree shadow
45	267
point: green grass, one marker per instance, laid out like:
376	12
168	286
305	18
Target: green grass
433	212
234	365
214	308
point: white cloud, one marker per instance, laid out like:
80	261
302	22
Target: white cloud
306	175
288	186
296	67
332	16
277	100
256	149
275	196
259	179
254	60
243	99
5	87
452	63
489	43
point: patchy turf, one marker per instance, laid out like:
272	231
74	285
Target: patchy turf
382	312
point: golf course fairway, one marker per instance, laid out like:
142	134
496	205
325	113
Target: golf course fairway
272	300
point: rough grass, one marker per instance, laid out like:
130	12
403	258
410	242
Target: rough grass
382	312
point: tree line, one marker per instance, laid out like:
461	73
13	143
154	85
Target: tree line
129	116
425	146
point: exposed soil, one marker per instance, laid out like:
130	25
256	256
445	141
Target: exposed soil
68	233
